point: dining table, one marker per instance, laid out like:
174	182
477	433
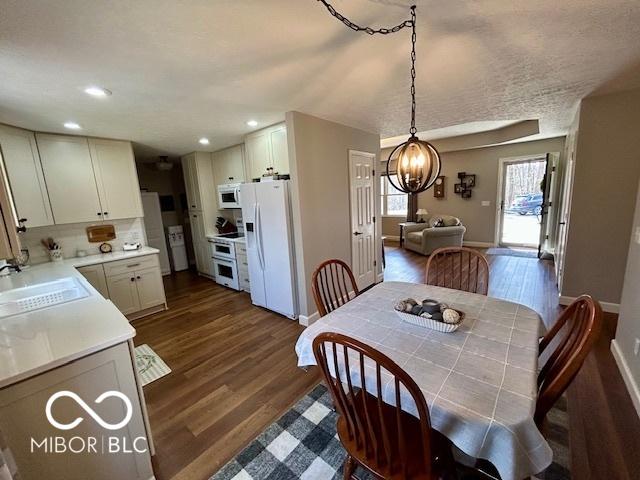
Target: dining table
479	382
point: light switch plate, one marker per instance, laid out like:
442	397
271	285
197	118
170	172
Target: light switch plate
637	235
486	203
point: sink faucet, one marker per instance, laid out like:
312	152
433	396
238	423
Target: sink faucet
15	268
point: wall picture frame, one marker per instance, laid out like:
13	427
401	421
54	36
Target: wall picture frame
469	181
457	188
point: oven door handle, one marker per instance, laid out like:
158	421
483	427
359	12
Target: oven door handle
258	234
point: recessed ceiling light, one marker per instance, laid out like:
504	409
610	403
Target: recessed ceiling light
252	123
204	141
97	91
72	126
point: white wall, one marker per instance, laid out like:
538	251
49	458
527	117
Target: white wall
319	163
628	331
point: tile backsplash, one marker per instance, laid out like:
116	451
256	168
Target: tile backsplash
73	237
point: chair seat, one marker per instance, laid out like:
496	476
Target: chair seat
440	445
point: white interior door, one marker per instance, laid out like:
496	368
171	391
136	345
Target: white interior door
155	229
563	220
363	241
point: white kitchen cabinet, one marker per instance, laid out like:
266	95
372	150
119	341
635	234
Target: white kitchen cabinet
89	179
279	150
258	151
68	171
200	243
228	165
116	178
24	172
150	288
23	419
95	276
123	292
135	285
267	148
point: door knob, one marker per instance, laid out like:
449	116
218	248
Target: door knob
357	233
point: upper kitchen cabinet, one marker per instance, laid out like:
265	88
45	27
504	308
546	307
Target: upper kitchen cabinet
116	178
68	170
267	148
100	173
24	172
228	165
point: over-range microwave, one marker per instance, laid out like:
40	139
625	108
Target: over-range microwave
229	195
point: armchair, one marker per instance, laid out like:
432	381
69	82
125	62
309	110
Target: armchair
424	239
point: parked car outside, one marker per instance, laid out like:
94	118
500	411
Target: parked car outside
527	204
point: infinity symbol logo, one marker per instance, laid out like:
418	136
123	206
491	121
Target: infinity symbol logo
89	410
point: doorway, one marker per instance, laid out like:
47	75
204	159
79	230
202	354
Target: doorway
521	201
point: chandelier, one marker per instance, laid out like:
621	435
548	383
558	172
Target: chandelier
416	162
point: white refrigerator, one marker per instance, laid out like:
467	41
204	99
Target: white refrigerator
266	213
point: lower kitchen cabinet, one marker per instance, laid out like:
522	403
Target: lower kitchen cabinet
95	276
41	451
134	285
123	292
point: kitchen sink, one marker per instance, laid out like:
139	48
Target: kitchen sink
41	295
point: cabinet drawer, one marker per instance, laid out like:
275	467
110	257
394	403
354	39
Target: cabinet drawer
243	263
130	265
245	284
241	249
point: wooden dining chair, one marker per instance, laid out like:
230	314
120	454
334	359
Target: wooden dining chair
332	283
577	328
459	268
382	438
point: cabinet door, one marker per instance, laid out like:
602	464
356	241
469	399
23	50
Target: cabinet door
189	169
279	150
117	179
258	154
95	276
123	292
228	165
200	243
150	288
28	189
68	171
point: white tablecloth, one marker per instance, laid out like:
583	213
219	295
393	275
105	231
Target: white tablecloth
479	381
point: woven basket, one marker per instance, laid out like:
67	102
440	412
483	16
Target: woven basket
430	323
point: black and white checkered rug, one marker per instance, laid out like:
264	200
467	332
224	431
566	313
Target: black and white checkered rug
303	444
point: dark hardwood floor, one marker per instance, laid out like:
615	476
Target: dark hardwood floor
234	372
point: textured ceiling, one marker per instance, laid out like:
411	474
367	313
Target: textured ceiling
180	70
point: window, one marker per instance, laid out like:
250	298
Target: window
394	202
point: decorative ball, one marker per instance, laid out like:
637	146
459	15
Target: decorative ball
401	306
416	310
425	315
450	316
437	316
443	307
411	301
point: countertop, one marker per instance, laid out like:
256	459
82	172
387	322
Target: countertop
235	240
35	342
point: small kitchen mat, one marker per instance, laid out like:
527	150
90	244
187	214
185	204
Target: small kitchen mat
513	252
149	365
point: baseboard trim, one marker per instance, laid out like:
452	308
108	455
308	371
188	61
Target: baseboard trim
632	386
306	320
479	244
606	306
394	238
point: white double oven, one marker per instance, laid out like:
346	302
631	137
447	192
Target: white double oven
223	258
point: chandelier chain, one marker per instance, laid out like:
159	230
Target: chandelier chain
413	129
358	28
386	31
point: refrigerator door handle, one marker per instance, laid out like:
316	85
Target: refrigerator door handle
258	235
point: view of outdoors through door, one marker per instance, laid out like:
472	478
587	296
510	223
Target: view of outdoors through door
522	202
